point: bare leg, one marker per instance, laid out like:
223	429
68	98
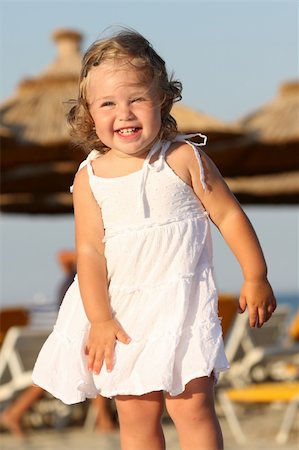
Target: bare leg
140	421
104	419
12	415
193	413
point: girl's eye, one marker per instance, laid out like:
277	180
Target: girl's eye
107	104
138	99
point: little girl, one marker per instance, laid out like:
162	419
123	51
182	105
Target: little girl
140	318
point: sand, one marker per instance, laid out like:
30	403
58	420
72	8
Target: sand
260	428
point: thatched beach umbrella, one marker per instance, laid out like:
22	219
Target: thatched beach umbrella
191	121
37	159
277	122
278	188
274	129
36	113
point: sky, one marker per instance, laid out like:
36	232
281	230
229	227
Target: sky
231	57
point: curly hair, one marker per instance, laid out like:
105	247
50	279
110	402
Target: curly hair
131	46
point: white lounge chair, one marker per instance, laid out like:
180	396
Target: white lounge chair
17	356
253	354
251	351
277	392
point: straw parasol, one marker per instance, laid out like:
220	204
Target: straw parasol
36	113
275	132
277	121
191	121
37	158
278	188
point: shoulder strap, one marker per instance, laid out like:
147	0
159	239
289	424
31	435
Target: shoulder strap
87	162
185	138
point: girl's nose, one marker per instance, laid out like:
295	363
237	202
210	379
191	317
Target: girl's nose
125	112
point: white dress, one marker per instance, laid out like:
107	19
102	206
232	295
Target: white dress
161	287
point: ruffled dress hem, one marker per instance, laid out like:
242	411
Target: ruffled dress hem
173	393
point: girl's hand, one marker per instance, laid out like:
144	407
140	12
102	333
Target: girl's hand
258	297
101	342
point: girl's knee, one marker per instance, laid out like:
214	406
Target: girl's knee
138	410
196	403
189	411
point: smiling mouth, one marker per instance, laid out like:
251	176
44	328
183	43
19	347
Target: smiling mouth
128	131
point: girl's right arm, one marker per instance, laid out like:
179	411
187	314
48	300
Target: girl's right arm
92	276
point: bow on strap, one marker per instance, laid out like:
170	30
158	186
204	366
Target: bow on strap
163	147
91	156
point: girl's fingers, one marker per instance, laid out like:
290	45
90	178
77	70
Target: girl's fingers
242	304
101	350
262	317
97	365
253	317
109	358
122	336
90	359
266	312
270	310
95	360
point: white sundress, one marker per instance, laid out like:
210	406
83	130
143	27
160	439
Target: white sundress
161	287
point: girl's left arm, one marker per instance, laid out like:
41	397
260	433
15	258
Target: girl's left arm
235	227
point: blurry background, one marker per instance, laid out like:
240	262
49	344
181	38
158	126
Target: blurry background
232	58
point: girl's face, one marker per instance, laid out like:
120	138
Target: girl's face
126	112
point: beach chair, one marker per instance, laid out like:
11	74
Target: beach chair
276	392
252	352
17	356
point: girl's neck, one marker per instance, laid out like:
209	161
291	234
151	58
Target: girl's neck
116	155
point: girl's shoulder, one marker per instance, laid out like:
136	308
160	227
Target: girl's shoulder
81	179
194	166
185	155
179	157
82	172
180	150
95	161
98	163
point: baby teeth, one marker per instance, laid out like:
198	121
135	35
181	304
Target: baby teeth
127	131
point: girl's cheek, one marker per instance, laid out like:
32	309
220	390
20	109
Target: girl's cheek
103	115
98	118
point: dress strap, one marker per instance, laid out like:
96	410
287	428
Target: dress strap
87	162
162	147
144	172
194	145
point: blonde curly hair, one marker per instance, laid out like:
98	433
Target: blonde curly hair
131	46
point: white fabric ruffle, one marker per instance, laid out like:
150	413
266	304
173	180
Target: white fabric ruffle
160	355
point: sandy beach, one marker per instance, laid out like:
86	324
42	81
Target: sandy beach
260	427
